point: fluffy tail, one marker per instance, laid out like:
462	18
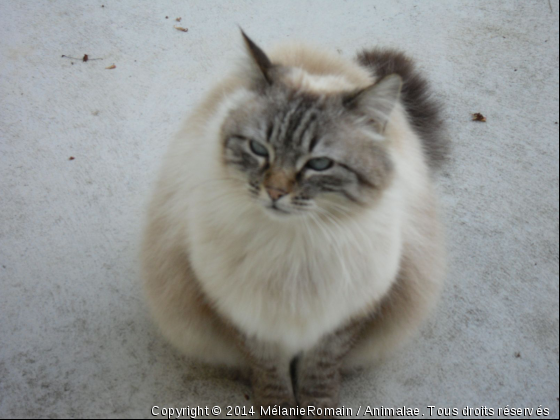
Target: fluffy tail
423	109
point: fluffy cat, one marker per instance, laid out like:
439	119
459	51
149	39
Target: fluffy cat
293	232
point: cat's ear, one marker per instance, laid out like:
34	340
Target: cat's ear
377	100
258	58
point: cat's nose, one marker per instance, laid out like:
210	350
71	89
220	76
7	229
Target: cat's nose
276	193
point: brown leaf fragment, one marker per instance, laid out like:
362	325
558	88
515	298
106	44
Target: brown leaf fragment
71	158
180	28
478	117
111	67
178	19
85	58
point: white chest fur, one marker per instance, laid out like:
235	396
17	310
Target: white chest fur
291	283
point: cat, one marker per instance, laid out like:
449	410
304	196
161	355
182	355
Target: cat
294	230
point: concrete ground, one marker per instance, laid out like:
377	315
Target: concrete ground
75	336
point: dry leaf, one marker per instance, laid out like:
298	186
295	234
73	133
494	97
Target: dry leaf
478	117
178	19
86	58
179	28
111	67
71	158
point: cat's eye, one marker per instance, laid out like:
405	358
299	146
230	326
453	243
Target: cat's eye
258	149
319	164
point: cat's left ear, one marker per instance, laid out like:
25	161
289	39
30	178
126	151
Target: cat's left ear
259	58
377	100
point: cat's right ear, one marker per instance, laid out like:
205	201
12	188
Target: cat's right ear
378	100
259	59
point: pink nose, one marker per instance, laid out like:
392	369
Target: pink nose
275	193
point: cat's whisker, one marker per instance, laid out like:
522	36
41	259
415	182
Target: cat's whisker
217	180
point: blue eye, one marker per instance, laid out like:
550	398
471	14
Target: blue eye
319	164
258	149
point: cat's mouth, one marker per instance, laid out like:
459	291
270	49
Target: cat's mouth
273	208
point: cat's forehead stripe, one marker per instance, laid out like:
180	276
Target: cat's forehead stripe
297	119
288	114
306	128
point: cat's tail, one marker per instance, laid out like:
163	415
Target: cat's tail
423	109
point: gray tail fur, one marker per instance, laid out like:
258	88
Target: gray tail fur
423	109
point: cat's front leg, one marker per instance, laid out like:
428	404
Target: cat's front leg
318	374
270	379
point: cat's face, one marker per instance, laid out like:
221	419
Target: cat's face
298	152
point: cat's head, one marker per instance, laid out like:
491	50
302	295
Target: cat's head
300	150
